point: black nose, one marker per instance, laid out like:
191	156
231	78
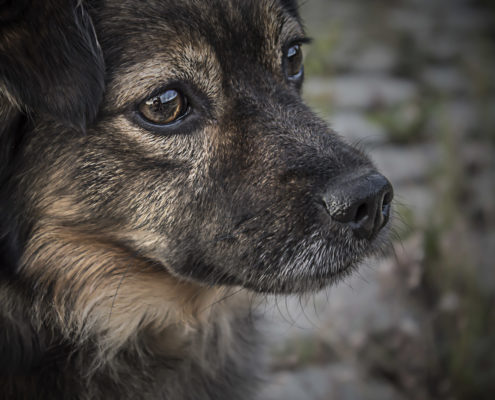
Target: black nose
362	202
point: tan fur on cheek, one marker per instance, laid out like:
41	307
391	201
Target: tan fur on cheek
96	290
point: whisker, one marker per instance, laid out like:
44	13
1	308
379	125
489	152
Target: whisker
221	299
117	291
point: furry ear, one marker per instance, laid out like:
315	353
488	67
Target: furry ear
50	60
51	66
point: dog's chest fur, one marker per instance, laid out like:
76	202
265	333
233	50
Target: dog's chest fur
201	367
218	358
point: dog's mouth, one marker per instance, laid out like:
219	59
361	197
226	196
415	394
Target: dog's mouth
311	266
284	260
302	252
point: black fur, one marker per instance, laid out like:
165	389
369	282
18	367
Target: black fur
50	64
292	7
50	60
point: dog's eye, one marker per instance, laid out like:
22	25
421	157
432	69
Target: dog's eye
165	108
294	66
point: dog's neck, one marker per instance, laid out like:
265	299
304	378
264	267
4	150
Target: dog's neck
104	293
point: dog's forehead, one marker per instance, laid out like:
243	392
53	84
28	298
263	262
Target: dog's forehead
151	42
232	28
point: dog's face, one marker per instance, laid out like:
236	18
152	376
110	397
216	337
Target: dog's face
203	158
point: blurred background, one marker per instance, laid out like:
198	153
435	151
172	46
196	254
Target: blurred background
413	83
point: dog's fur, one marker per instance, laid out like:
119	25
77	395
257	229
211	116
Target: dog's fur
127	251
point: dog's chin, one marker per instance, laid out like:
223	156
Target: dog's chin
302	278
314	265
300	283
308	265
305	277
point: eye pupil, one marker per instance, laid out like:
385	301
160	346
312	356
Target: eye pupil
156	104
165	108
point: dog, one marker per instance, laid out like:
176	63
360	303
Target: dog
159	169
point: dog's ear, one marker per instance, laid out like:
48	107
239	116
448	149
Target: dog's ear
50	60
51	65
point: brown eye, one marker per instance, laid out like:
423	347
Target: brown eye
165	108
294	62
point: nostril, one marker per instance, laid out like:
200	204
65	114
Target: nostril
387	199
361	213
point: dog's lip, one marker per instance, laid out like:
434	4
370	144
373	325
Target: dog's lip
310	283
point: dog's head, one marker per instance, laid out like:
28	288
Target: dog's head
203	160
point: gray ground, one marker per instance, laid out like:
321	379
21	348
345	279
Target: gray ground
411	81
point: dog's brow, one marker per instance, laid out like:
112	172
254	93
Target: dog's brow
196	64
